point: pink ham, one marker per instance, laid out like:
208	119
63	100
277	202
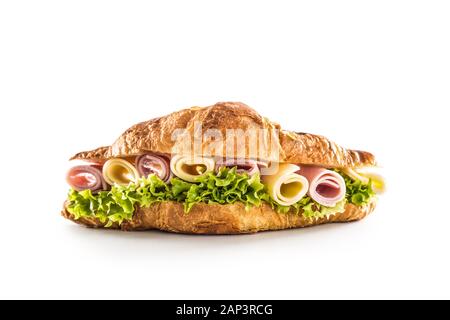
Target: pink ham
243	165
326	187
154	164
88	176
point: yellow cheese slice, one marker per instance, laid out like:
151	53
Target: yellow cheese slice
365	175
190	168
119	171
286	187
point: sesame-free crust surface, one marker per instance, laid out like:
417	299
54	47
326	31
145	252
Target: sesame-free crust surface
221	219
164	134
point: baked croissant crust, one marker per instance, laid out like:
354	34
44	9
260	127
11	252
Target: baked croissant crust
293	147
221	219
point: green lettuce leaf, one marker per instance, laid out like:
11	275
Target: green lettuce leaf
118	204
225	187
309	208
357	193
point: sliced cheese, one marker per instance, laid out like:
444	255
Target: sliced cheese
119	171
190	168
365	175
286	187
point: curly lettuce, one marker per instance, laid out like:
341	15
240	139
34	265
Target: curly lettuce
357	193
224	187
308	208
118	204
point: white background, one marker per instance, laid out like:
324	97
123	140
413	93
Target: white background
371	75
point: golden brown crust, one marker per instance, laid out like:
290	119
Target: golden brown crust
101	153
156	135
305	148
221	219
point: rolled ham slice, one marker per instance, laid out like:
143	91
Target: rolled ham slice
154	164
326	187
84	177
243	165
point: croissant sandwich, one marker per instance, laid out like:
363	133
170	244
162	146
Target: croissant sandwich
222	169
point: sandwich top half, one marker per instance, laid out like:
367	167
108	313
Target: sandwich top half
223	153
156	135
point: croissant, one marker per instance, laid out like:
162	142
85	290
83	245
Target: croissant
222	169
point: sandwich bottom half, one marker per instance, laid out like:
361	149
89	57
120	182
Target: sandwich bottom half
221	219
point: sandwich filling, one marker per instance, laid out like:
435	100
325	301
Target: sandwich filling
112	191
